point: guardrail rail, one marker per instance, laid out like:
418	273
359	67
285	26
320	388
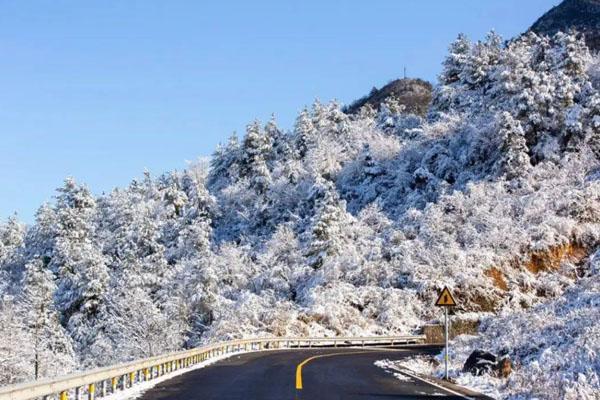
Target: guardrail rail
101	382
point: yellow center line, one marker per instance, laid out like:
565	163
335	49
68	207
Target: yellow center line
309	359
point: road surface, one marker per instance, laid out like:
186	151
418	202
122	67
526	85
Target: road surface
327	374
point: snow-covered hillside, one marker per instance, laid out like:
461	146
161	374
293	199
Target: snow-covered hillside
347	224
554	347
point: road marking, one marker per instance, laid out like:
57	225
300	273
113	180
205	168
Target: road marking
403	371
309	359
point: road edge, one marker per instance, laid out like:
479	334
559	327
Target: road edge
450	387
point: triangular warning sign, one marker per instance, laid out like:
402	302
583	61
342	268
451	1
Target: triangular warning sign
445	299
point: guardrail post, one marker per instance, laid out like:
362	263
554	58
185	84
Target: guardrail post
64	395
124	382
91	391
78	393
103	388
131	379
113	384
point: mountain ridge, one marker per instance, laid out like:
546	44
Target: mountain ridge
580	15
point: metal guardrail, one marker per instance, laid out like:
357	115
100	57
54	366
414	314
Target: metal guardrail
100	382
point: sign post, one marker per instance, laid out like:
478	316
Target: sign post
445	300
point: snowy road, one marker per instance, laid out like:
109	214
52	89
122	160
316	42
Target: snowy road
327	374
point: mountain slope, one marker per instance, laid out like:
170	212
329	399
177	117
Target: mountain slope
580	15
413	94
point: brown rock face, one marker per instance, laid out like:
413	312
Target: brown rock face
552	258
498	278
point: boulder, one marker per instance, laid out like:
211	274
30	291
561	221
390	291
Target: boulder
482	362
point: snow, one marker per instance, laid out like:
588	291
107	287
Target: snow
343	225
139	389
554	348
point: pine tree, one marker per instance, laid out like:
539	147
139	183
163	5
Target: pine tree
51	347
281	142
327	232
224	164
456	60
255	153
515	158
12	235
304	133
16	344
195	235
82	273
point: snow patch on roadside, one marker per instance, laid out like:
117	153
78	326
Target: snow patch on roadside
554	348
426	366
139	389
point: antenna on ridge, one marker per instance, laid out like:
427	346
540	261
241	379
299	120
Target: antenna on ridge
405	72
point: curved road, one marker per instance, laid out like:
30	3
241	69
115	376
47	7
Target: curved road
327	374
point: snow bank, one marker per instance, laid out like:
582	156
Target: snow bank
554	347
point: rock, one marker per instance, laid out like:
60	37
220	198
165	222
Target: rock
480	362
504	367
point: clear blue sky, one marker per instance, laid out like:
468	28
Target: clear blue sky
100	90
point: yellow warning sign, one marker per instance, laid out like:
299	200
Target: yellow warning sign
445	299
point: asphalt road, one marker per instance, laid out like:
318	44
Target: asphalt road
327	374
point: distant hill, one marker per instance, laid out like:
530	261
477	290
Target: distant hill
581	15
415	94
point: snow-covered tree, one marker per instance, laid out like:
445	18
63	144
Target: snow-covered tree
82	273
256	150
51	348
305	133
225	164
16	346
12	235
515	157
328	227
